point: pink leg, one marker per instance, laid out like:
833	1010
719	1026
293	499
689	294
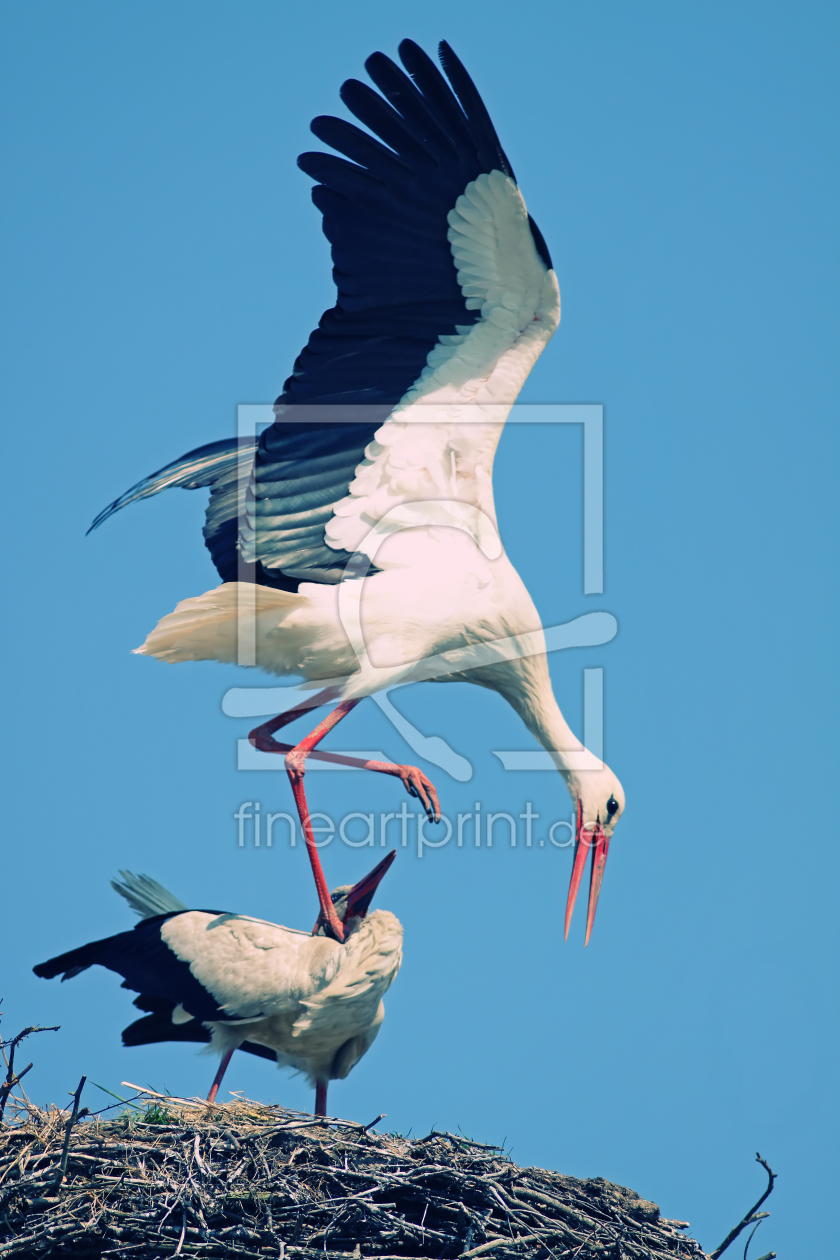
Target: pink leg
217	1080
415	782
320	1098
295	759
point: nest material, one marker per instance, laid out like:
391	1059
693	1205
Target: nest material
242	1179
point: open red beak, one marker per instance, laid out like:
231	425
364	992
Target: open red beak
586	838
358	900
361	894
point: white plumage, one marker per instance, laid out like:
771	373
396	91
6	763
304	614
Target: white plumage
233	980
316	1003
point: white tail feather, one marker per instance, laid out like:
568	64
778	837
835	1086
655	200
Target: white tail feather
207	627
146	896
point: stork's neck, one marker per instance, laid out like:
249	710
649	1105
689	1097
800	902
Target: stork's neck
534	701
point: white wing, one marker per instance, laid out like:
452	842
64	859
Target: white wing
416	254
437	446
252	968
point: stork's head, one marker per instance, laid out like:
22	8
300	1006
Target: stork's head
352	901
600	804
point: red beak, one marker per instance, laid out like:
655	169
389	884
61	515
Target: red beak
359	897
361	894
586	838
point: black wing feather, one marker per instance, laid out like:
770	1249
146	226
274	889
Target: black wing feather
147	965
384	205
158	1026
384	213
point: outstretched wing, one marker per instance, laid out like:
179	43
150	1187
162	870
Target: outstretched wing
225	468
445	298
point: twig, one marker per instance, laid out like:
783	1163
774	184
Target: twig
750	1217
760	1216
11	1078
62	1167
183	1230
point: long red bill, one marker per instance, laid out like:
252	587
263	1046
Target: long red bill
361	894
581	848
599	861
586	838
358	900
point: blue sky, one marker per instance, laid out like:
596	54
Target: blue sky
164	264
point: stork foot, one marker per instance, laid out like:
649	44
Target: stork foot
417	784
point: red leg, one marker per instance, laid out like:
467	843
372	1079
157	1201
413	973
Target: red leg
414	780
261	737
217	1080
295	768
320	1098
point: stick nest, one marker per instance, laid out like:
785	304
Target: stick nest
184	1178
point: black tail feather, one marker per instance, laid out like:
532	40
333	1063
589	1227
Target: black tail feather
158	1027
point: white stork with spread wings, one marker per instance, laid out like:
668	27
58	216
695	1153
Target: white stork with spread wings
237	982
367	553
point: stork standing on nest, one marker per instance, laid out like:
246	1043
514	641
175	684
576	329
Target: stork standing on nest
307	1001
383	444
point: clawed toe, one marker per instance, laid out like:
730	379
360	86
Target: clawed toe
416	784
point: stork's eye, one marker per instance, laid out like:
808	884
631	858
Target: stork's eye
612	806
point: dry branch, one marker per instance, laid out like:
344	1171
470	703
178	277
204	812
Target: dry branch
752	1216
7	1049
